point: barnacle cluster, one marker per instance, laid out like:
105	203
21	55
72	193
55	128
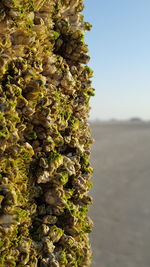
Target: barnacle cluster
45	139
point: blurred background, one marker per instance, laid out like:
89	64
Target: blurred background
119	46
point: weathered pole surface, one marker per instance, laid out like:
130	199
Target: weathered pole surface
45	138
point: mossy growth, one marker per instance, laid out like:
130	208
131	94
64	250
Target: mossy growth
63	177
55	158
45	172
74	124
4	132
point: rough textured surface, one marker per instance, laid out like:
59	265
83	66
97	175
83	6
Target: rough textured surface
45	139
121	192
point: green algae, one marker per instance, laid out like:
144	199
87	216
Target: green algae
45	88
1	243
64	176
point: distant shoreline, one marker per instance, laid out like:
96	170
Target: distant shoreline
130	121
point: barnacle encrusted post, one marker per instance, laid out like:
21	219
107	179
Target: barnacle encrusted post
45	139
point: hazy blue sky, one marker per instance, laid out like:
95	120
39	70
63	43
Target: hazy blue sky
119	46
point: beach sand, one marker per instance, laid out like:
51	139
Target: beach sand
121	192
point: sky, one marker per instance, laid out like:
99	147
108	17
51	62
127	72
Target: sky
119	47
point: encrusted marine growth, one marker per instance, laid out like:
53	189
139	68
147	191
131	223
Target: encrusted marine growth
45	139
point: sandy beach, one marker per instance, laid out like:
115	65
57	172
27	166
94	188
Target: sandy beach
121	192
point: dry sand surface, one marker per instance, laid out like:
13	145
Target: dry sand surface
121	192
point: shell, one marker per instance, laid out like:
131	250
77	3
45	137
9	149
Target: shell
44	177
48	219
48	245
54	197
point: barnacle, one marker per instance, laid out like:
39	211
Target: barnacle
49	219
55	233
69	165
54	197
45	88
48	245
